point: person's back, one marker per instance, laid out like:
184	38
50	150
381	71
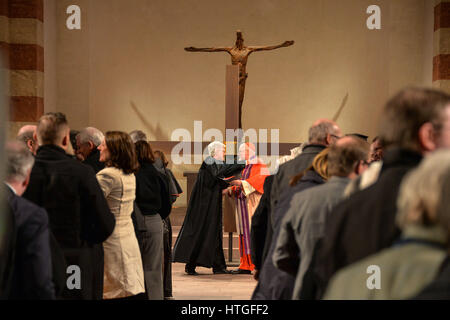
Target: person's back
152	191
273	283
32	278
78	213
290	169
404	269
365	223
304	223
439	289
322	134
374	206
7	250
29	270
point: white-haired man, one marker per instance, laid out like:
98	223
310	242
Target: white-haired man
88	141
199	242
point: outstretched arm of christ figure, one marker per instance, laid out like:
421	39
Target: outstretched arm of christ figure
265	48
219	49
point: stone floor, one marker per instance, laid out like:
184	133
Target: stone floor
208	286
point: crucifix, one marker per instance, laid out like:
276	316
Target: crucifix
239	55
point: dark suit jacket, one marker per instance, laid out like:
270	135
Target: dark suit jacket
362	224
93	160
439	289
275	284
261	229
78	213
32	274
290	169
152	191
7	247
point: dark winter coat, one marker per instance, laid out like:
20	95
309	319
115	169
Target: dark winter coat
290	169
273	283
32	271
79	216
363	224
261	228
93	160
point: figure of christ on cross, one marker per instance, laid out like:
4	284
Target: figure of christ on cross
239	56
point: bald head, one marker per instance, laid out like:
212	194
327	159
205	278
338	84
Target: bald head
324	132
26	135
26	129
247	151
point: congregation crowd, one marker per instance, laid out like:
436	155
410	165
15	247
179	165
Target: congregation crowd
345	220
88	216
341	218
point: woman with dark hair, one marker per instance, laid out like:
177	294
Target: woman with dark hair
175	190
153	202
124	275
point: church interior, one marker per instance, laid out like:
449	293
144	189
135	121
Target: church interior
119	65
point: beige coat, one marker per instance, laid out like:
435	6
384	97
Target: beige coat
124	275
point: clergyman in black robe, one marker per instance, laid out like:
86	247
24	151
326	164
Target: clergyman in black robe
199	242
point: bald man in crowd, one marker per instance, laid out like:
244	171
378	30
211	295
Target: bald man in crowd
26	135
322	134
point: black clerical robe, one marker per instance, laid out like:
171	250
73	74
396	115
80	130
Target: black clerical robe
200	239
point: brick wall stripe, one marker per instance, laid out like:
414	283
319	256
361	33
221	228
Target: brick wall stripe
4	55
27	83
441	41
441	67
26	57
26	31
443	85
4	8
442	15
26	108
26	9
4	29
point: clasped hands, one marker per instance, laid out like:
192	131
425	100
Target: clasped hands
235	184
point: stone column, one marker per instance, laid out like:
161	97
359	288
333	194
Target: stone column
22	43
441	50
